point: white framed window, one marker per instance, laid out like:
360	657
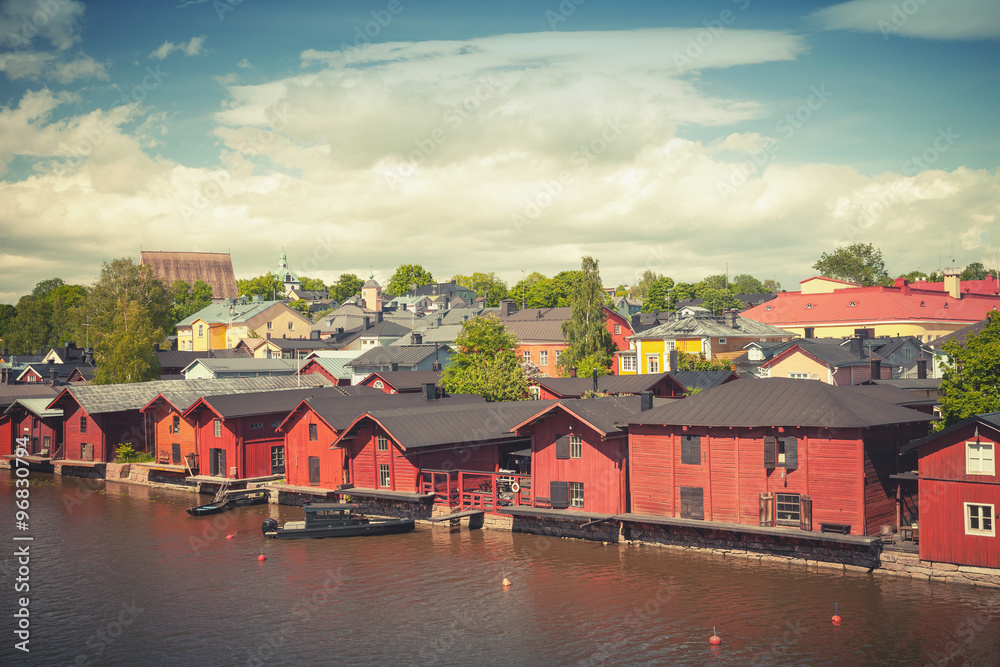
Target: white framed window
979	519
377	384
543	358
527	356
754	354
576	494
291	325
575	447
618	330
628	363
653	364
383	475
256	426
201	331
787	508
558	352
722	341
799	376
671	346
217	425
270	325
382	443
979	458
535	393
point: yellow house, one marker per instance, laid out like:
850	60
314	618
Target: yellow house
222	325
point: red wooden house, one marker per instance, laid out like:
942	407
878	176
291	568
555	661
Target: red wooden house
98	418
401	382
959	493
579	452
9	393
661	385
28	418
174	436
333	369
772	452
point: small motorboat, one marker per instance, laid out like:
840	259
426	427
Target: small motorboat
334	520
229	499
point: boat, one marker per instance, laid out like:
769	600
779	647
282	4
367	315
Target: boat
231	499
333	520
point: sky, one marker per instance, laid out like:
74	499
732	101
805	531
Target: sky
687	138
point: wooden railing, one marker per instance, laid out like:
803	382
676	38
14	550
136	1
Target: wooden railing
472	489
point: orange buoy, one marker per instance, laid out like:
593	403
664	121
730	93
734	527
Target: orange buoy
229	536
262	557
836	618
715	639
506	582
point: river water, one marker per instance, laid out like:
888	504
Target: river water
121	575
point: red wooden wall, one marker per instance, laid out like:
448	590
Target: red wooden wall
73	438
162	414
6	435
24	424
207	441
298	449
365	460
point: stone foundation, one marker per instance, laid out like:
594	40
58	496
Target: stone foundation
391	508
896	563
606	531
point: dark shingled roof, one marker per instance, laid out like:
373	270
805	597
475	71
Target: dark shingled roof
401	354
781	402
339	413
893	395
609	414
215	268
403	380
11	392
704	379
910	384
63	371
990	419
229	406
606	384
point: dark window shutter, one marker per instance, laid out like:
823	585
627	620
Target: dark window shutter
791	452
692	502
691	449
313	470
175	451
213	462
559	495
770	452
767	509
224	471
562	446
805	512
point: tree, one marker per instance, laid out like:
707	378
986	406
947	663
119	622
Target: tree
717	300
301	306
312	284
189	300
347	285
485	284
698	362
486	363
639	290
407	277
65	302
31	329
680	292
976	271
658	295
858	263
970	383
267	286
129	310
565	281
586	332
771	286
717	281
46	286
7	315
744	283
519	292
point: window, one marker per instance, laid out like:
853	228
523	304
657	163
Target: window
575	447
691	450
256	426
692	502
799	376
722	341
83	424
979	519
277	460
558	352
628	363
543	358
562	446
46	442
618	329
291	325
201	331
671	345
218	427
175	453
576	494
313	433
786	505
754	354
383	443
527	356
270	325
176	427
979	458
653	364
535	393
275	424
383	475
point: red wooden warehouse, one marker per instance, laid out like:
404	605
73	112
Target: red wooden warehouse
30	419
959	493
661	385
783	452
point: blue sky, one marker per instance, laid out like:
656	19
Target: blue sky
682	137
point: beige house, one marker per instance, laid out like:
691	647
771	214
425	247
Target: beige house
222	325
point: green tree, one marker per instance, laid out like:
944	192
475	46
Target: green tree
46	286
65	302
639	290
565	282
485	284
312	284
858	263
31	329
407	277
717	281
970	383
519	292
301	306
129	310
680	292
7	315
347	285
586	332
188	299
658	295
771	286
976	271
698	362
267	286
717	300
744	283
486	363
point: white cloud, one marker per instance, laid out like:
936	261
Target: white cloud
25	25
245	64
192	47
927	19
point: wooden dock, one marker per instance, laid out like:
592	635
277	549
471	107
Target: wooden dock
456	515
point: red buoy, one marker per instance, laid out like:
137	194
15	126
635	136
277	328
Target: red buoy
715	639
836	620
229	536
262	557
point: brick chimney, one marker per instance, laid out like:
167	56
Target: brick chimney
645	401
672	361
952	285
921	369
876	369
506	308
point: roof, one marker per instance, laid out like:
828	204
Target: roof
340	413
607	415
62	370
96	399
536	330
781	402
335	366
703	379
893	395
830	351
871	304
606	384
386	329
240	311
910	384
12	392
385	355
214	268
246	365
990	419
229	406
960	335
403	380
687	327
36	406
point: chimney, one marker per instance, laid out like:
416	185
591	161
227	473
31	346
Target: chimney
52	376
636	320
436	366
645	401
368	323
810	332
506	307
595	380
903	285
429	391
394	366
340	330
156	347
876	369
314	334
378	317
672	363
729	318
572	372
952	285
921	369
858	347
437	321
416	338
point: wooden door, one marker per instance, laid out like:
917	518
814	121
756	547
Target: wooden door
313	471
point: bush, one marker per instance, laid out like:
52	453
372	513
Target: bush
125	453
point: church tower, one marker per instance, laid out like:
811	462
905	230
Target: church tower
371	294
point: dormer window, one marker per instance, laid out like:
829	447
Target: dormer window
767	307
921	304
809	306
945	304
852	304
